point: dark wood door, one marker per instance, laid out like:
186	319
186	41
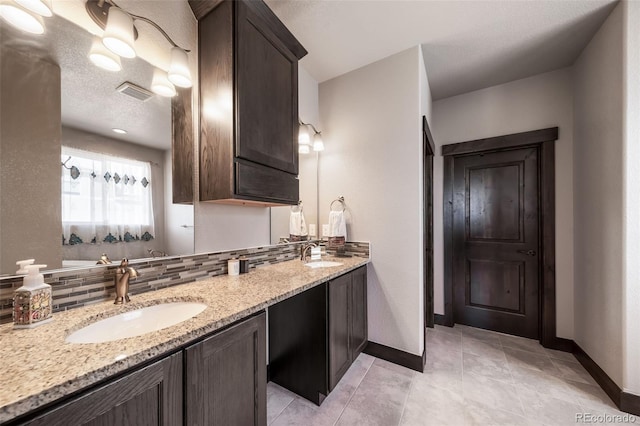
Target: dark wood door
151	396
495	241
226	377
358	315
266	93
339	324
428	240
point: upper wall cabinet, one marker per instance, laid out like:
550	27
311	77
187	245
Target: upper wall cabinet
248	104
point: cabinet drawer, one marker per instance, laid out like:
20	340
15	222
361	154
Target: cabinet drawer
259	182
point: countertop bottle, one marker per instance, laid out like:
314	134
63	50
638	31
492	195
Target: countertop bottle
32	302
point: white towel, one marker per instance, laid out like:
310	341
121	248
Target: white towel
337	224
297	224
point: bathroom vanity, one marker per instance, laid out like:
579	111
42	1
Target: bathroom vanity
210	369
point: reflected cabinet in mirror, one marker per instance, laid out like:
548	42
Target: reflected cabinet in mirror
86	162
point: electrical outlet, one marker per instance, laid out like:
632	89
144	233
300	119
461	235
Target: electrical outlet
325	229
312	229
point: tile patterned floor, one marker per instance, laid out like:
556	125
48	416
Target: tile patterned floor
472	377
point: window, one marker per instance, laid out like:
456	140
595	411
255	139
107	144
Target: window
105	199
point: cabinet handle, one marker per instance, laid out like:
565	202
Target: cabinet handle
527	252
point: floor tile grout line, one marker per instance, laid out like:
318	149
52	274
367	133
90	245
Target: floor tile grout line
282	411
354	392
406	399
513	379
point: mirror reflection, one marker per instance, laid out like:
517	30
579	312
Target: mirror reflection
85	153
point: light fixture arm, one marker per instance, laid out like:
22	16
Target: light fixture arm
309	124
157	27
97	10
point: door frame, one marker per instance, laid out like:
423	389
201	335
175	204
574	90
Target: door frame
543	140
429	150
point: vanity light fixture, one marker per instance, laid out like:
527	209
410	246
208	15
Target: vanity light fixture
103	57
318	144
303	149
119	36
160	85
179	73
118	33
21	18
41	7
304	138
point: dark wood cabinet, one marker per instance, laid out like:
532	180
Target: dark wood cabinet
315	336
226	377
358	319
248	104
221	380
151	396
347	322
339	328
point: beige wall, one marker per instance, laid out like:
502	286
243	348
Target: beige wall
372	127
631	291
532	103
80	139
30	226
598	197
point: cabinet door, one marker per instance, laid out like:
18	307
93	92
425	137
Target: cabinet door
266	95
150	396
339	329
359	334
226	377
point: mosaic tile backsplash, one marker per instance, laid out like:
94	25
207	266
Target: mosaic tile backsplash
74	288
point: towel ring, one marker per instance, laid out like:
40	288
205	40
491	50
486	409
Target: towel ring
338	200
298	207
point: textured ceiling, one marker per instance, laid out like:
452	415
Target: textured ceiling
467	45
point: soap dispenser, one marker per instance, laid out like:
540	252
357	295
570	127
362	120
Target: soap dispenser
32	301
22	266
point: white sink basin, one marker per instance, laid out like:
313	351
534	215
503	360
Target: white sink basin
322	264
136	323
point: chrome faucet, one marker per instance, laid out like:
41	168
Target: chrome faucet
304	250
156	253
123	273
104	260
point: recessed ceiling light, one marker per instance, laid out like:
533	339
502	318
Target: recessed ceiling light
120	131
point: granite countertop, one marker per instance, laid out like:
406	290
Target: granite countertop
39	367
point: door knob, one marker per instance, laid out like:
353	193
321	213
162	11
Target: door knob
527	252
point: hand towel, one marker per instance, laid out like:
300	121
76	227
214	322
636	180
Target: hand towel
297	226
337	228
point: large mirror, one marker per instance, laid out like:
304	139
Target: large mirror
308	109
57	144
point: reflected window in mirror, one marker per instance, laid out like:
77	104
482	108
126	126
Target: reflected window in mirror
105	199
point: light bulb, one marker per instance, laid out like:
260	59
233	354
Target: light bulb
179	73
21	19
103	57
118	34
41	7
160	85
